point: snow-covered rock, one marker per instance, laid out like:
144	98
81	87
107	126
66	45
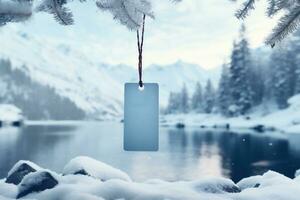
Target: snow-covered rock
216	186
251	182
19	170
88	166
10	113
47	185
36	182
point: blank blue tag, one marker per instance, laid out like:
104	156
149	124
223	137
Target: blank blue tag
141	114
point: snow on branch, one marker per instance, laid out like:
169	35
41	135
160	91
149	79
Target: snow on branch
57	7
286	25
128	12
15	11
244	11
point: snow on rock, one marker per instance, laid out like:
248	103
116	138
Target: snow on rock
8	190
19	170
251	182
88	166
268	179
273	186
47	185
216	186
10	113
36	182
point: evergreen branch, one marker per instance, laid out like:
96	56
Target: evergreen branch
128	13
120	13
287	24
247	6
104	5
56	7
272	8
62	14
15	11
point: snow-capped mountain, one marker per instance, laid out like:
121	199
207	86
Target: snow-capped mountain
67	70
94	87
171	78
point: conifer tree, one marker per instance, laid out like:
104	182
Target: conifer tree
184	100
293	48
223	98
197	99
241	94
257	82
173	104
209	97
282	73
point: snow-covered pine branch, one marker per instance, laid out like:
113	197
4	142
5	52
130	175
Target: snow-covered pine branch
57	8
15	10
273	7
128	12
287	24
244	11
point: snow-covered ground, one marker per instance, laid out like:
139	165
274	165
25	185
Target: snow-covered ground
287	120
10	113
88	179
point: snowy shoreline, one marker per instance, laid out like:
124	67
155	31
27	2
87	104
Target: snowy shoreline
286	121
84	178
210	121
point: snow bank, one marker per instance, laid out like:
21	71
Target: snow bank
47	185
287	120
17	166
88	166
20	170
10	113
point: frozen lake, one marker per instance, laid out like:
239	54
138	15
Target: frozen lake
185	154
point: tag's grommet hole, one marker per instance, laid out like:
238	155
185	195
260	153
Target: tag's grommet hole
141	88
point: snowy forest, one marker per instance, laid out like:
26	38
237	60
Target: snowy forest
245	84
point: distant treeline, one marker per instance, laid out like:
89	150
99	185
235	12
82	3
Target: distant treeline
36	101
245	82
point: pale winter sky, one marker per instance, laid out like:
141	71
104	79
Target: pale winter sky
194	31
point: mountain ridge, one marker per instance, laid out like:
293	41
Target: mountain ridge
95	87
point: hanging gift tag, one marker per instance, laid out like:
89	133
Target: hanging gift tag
141	114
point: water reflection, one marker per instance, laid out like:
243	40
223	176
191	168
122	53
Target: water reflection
185	154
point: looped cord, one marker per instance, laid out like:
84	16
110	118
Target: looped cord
140	43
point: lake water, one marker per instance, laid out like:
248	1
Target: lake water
185	154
